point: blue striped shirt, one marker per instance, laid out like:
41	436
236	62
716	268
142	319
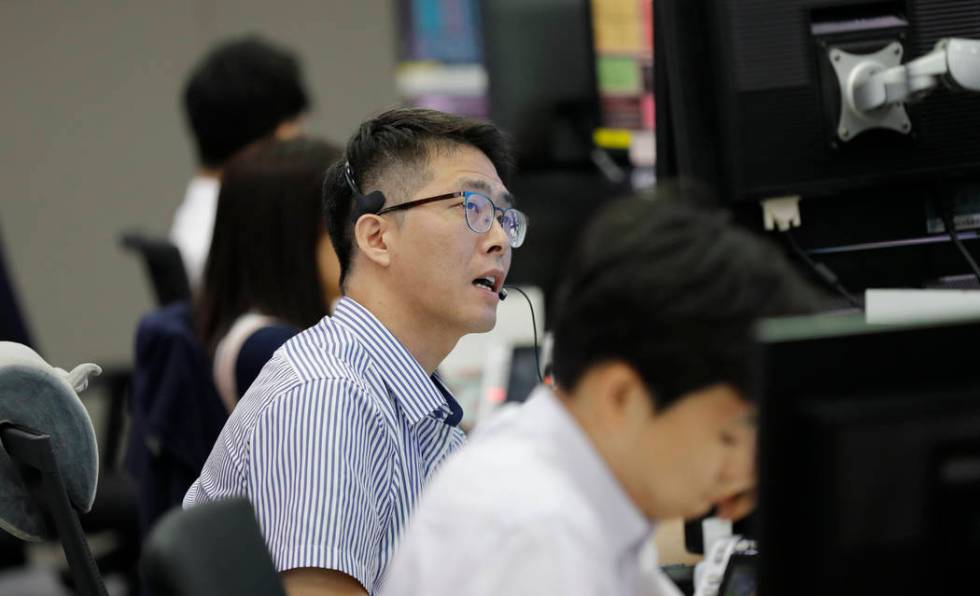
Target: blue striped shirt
332	444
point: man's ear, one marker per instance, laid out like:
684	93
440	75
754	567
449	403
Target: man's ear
627	392
370	236
618	394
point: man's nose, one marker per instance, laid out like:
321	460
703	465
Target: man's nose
497	238
739	470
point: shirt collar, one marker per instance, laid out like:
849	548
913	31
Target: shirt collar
417	393
626	528
205	187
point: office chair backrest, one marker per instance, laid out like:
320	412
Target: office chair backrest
163	264
209	550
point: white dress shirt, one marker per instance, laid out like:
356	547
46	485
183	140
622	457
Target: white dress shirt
194	224
528	507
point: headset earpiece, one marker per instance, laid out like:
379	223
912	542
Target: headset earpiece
372	203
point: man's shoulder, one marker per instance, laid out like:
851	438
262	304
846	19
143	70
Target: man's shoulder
508	482
497	502
282	396
325	351
320	361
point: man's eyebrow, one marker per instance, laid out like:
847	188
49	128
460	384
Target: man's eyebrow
483	186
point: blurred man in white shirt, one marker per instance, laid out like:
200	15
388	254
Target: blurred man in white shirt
243	90
651	417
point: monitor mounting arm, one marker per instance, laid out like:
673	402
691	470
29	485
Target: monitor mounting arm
875	87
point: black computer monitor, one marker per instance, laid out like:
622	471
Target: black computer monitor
541	76
541	73
869	457
748	100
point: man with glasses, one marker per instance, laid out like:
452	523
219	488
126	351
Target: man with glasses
338	435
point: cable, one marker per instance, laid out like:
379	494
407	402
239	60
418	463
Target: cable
823	272
534	328
945	210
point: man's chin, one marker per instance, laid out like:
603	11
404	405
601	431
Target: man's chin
482	325
698	511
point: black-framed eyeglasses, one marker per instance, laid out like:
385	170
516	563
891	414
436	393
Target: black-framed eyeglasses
479	210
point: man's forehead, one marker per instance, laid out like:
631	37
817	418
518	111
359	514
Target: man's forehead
494	189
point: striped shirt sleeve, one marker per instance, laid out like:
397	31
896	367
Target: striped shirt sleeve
319	479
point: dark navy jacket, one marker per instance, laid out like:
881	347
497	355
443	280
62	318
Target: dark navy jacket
175	409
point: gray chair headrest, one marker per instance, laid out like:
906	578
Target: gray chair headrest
38	396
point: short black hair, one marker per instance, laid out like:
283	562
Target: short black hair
399	143
240	92
266	228
673	289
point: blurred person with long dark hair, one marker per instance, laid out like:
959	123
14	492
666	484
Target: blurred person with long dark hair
271	270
